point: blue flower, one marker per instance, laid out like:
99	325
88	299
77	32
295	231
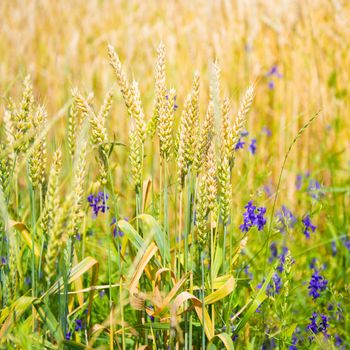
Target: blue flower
338	341
273	250
78	325
294	341
274	71
282	258
299	181
317	284
252	146
3	260
346	243
308	226
266	131
314	189
102	293
271	84
318	327
246	271
334	248
98	203
68	335
253	216
285	219
239	144
313	263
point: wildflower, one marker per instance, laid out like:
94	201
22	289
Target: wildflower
271	84
321	326
102	293
273	250
266	131
28	281
246	271
68	335
277	283
252	146
98	203
313	263
334	248
308	225
282	258
268	190
239	144
314	189
78	325
346	243
338	341
317	284
3	260
285	219
294	342
299	180
274	71
78	236
244	133
253	216
312	326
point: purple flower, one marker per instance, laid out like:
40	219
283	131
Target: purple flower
312	326
98	203
308	226
78	325
285	219
314	189
338	341
268	190
266	131
253	216
252	146
277	283
68	335
273	70
282	258
317	284
313	263
299	181
334	248
239	144
318	327
102	293
246	271
273	250
274	287
346	243
294	342
244	133
28	281
3	260
271	84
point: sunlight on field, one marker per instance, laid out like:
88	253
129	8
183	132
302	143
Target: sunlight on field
174	175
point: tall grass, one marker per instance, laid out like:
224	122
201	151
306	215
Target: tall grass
194	207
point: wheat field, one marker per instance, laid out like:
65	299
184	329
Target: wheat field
174	175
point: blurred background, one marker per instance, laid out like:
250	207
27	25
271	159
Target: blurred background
297	51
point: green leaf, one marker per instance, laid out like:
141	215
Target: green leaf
226	340
153	229
49	320
132	235
259	299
